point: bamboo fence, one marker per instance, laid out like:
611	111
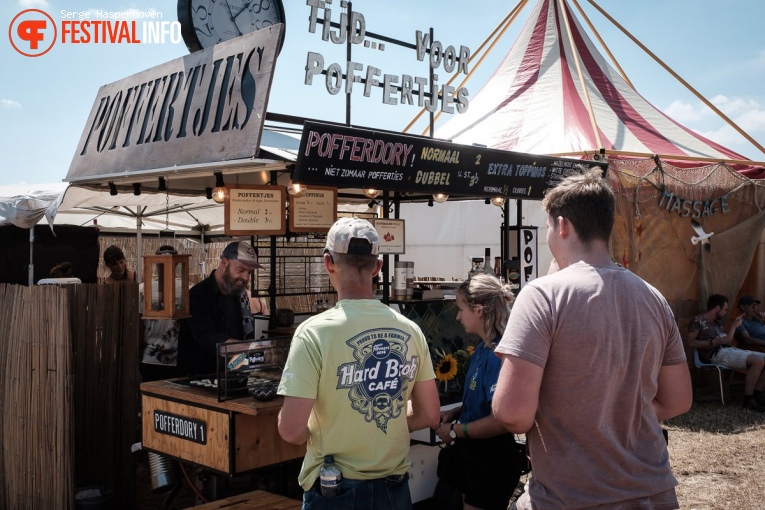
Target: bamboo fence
36	434
106	378
68	393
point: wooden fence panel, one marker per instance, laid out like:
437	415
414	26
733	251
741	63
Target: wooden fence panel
69	397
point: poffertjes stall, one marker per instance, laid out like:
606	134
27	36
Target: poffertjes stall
204	140
230	437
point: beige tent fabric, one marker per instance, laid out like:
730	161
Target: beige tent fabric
652	234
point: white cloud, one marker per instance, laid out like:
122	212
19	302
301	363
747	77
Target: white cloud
684	113
746	113
9	104
734	106
34	4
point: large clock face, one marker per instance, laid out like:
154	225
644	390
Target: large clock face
205	23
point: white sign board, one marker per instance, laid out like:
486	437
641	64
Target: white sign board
255	210
391	232
314	211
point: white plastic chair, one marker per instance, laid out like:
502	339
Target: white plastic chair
702	366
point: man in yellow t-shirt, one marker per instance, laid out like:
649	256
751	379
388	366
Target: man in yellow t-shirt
357	380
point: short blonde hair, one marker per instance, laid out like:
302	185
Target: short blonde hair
495	298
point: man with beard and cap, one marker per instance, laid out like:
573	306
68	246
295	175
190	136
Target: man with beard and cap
706	333
220	311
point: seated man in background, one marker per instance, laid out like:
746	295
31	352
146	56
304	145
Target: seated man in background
706	334
751	333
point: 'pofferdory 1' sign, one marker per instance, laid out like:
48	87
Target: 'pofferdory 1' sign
344	157
206	107
180	426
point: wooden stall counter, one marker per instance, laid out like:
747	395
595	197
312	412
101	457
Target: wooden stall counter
230	437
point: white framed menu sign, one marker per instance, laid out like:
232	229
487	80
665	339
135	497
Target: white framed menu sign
255	210
391	234
314	211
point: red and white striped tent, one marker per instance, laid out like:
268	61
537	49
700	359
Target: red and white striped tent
554	93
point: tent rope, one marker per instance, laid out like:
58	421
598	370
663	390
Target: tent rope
503	26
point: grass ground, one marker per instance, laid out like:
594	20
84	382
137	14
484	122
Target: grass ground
718	457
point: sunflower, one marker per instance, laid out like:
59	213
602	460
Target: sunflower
446	368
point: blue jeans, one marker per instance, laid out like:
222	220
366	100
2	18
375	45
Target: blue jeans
389	493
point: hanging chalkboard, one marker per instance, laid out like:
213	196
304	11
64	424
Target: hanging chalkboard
314	211
362	158
256	210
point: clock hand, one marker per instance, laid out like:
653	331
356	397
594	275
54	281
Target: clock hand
238	11
242	18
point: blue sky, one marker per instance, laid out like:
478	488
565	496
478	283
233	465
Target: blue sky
717	46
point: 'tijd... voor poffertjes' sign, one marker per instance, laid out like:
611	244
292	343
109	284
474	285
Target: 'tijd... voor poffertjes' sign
343	157
203	108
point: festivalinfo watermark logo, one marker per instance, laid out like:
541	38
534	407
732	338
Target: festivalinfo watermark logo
34	32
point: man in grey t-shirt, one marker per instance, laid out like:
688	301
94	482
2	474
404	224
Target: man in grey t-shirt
592	360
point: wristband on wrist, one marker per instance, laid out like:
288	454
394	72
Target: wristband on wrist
464	431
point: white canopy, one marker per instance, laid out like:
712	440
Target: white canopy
24	205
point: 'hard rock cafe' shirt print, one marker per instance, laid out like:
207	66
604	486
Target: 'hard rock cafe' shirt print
380	374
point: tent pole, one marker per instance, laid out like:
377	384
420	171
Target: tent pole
678	78
577	58
668	157
203	252
139	250
31	271
603	43
504	25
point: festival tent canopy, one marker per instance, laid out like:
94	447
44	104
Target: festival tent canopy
554	93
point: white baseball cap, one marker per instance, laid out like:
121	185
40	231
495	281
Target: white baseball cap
354	236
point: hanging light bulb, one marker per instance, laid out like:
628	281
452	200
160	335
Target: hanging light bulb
440	198
371	192
295	189
219	192
498	201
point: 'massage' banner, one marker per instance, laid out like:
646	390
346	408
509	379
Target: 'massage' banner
344	157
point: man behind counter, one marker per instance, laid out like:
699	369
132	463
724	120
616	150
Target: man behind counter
220	311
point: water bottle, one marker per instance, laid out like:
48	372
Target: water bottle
487	262
330	477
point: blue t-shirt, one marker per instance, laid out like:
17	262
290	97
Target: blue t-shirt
480	383
755	328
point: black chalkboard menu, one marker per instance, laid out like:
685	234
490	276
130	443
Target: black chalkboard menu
349	157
